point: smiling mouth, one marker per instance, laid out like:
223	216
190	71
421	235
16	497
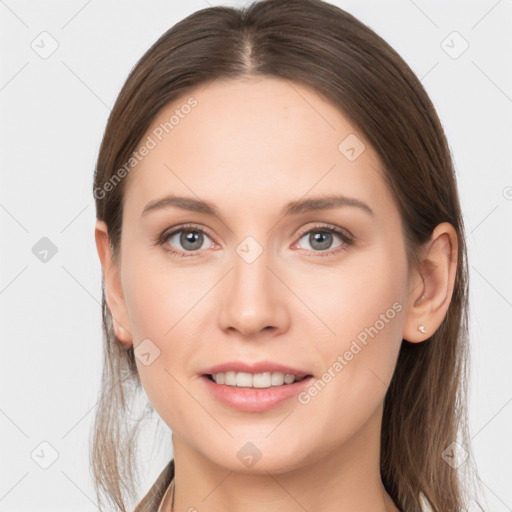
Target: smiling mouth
256	380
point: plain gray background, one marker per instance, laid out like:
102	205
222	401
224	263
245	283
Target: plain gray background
53	109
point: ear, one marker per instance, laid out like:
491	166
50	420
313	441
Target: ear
113	286
431	287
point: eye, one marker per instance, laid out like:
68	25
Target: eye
186	239
321	238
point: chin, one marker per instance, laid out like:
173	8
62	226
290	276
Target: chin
260	457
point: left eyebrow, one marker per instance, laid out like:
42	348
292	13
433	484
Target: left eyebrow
323	203
292	208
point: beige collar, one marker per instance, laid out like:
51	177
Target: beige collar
167	503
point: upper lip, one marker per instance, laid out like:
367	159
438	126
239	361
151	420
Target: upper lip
258	367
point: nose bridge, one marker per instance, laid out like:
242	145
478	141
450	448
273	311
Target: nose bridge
253	300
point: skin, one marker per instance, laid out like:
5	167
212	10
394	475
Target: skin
249	147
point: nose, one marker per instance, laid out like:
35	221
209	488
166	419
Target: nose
254	299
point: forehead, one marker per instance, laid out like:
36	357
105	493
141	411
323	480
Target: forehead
251	138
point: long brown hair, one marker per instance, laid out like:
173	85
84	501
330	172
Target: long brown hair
321	46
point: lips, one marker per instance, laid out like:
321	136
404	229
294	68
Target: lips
255	399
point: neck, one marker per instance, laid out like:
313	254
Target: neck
345	478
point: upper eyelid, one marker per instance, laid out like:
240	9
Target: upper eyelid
337	230
190	227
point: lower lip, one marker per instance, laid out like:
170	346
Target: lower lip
255	399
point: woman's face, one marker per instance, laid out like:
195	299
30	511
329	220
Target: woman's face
275	277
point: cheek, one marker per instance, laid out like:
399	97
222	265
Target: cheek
150	307
160	312
363	303
359	361
164	306
359	293
156	296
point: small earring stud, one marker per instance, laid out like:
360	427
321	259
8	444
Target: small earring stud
422	329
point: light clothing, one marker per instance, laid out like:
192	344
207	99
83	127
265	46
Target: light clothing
153	500
165	500
160	493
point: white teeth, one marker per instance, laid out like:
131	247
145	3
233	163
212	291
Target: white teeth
288	379
243	379
262	380
230	378
277	379
257	380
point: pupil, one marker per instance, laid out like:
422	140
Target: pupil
323	238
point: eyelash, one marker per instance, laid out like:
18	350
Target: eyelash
346	239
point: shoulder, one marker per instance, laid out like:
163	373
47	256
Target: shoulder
151	501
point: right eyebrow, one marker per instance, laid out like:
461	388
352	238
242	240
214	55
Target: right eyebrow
185	203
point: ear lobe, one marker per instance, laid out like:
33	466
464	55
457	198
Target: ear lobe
113	286
432	287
